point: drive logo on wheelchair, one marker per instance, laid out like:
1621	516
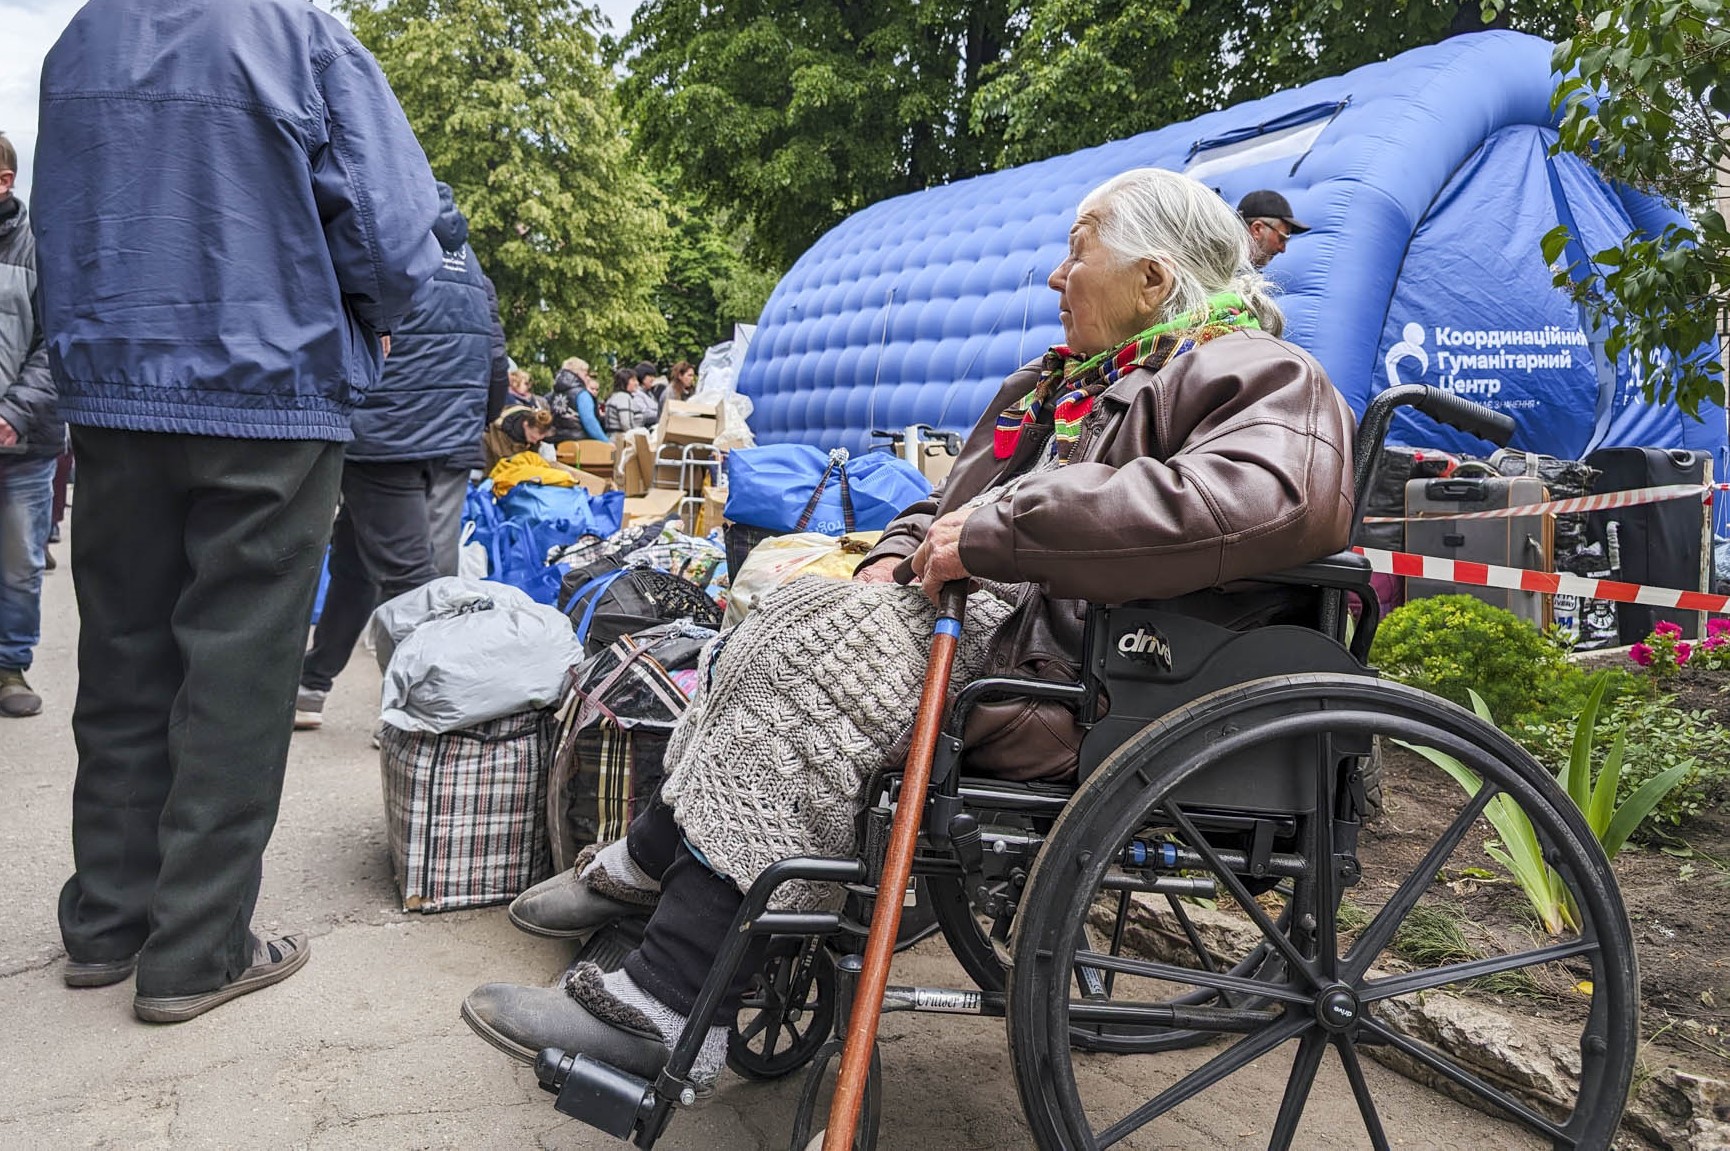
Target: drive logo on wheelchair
1145	645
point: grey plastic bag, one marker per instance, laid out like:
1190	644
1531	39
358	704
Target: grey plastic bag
394	620
480	664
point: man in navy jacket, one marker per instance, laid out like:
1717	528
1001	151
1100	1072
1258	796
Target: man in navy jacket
416	436
233	213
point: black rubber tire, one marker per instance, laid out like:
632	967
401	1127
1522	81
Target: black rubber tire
1134	782
817	1095
809	993
964	933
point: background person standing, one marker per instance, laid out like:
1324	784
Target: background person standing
404	475
237	212
31	437
1268	216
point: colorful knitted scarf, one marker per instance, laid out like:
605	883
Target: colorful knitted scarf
1069	384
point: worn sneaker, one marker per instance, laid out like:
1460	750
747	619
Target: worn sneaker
309	709
272	961
16	698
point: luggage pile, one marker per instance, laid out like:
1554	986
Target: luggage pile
527	705
1661	544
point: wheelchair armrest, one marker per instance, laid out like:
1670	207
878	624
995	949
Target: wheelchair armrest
1342	571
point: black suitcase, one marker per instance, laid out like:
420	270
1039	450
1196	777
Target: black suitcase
1658	545
1516	541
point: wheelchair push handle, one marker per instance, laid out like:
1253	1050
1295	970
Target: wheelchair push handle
1472	418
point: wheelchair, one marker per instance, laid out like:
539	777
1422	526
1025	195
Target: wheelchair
1209	879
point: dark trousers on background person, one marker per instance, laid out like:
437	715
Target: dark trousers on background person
195	560
692	920
382	546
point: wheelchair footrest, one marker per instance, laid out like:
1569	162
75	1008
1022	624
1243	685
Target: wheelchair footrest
594	1093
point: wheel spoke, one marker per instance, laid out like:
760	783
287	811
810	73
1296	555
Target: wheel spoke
1374	938
1433	977
1463	1078
1239	1054
758	1022
1297	1088
1171	973
1361	1091
1117	937
1241	894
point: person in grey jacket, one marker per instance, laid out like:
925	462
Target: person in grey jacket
232	215
31	436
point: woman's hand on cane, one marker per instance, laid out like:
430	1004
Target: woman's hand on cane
938	559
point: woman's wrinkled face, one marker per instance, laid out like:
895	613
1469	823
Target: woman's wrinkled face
1103	300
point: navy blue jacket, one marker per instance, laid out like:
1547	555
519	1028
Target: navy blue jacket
229	207
431	401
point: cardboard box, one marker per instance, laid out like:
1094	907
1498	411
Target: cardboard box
714	509
691	422
595	456
656	505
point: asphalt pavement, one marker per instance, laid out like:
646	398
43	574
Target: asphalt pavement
364	1048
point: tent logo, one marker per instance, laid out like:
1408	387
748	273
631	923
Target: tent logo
1410	347
1478	362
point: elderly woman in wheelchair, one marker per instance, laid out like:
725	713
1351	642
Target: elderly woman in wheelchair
1172	449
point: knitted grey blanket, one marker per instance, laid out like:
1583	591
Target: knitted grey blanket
796	708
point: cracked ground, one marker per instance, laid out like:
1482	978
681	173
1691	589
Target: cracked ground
364	1047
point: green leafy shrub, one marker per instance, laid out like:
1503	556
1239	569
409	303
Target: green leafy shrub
1657	736
1453	644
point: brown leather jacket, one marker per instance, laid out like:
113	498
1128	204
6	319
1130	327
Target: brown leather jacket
1231	461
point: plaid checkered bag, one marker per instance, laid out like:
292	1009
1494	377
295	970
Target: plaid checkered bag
618	714
466	810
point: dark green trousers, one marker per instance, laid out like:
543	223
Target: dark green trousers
195	561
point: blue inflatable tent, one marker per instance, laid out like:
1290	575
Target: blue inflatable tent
1425	178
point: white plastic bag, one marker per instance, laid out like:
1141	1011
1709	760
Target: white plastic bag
779	558
461	670
447	596
471	557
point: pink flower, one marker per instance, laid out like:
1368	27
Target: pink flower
1684	649
1665	627
1717	626
1641	654
1712	642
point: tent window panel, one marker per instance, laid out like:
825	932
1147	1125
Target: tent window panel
1292	135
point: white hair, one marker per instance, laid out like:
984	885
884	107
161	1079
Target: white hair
1200	240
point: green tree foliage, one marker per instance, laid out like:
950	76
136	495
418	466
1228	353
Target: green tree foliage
795	113
1645	104
710	283
517	113
1087	71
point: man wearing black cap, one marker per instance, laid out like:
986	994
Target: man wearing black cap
1271	224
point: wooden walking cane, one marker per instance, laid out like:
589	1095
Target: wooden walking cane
897	867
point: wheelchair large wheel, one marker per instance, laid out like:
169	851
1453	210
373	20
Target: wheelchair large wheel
968	934
1347	964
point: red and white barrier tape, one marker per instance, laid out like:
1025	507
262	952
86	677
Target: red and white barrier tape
1550	583
1625	499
